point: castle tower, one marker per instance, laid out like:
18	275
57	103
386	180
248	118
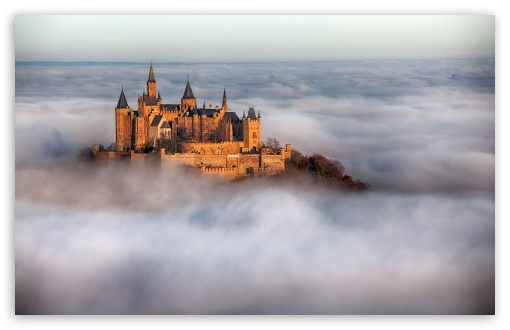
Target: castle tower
140	132
251	129
151	83
188	100
224	103
122	124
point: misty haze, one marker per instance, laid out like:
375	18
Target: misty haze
117	239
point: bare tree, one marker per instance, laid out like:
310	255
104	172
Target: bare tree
169	143
273	143
111	147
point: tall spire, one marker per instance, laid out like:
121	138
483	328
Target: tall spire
151	84
151	74
188	93
122	104
224	103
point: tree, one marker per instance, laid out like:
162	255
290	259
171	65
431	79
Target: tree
149	145
273	143
169	143
321	169
111	147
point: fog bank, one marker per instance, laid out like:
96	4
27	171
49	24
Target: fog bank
115	239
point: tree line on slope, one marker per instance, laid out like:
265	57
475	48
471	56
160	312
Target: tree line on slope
317	168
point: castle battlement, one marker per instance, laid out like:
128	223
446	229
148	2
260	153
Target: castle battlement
203	143
218	169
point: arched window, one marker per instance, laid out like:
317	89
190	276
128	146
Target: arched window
254	135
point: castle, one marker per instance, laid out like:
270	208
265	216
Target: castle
209	139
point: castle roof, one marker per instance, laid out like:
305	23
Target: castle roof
122	104
157	119
232	116
188	93
151	74
150	100
169	106
195	111
209	112
165	125
251	113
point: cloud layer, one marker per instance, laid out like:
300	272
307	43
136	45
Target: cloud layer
400	125
104	246
115	239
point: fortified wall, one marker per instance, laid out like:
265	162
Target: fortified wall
227	165
211	148
236	164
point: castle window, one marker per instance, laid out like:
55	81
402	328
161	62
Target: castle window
254	135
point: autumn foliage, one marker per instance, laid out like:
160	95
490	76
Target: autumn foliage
320	169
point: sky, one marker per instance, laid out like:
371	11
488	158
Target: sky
241	38
468	94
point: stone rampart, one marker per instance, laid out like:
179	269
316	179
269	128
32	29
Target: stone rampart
176	159
271	164
212	148
224	165
229	173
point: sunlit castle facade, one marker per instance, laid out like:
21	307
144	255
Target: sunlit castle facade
206	138
185	122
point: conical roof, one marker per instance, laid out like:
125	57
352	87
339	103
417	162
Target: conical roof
151	74
224	103
251	113
188	93
122	104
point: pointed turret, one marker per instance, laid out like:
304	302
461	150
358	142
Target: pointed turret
151	83
188	100
151	74
122	123
188	93
122	104
259	114
251	113
224	103
203	107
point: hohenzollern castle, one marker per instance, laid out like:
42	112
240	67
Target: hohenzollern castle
210	139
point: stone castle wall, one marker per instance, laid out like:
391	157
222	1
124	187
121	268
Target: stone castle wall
227	173
236	164
211	148
222	165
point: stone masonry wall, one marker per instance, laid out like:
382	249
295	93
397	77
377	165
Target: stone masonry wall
214	148
224	165
271	164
